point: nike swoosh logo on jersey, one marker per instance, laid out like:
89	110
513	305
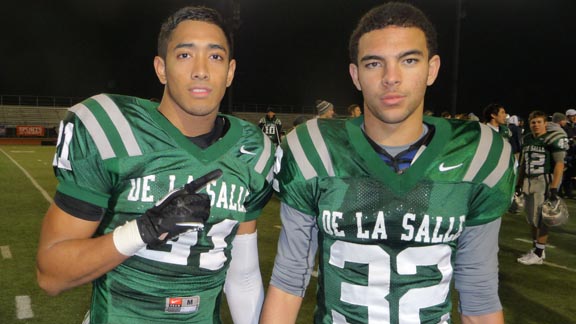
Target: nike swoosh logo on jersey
443	168
244	151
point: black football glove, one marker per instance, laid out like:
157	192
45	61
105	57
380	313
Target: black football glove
180	211
553	194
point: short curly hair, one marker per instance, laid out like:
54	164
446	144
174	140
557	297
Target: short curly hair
393	14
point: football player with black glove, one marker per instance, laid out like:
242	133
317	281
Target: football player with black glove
553	194
178	212
117	155
540	172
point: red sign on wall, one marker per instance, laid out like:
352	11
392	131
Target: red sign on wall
37	131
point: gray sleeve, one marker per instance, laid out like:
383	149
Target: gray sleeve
476	269
558	156
296	253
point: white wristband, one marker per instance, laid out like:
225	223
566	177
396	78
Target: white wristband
127	238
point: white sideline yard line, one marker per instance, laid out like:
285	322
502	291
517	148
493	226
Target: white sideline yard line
5	251
42	191
23	303
553	265
24	307
548	246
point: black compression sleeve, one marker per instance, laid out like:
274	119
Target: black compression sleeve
79	208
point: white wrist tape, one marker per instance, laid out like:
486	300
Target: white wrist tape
127	238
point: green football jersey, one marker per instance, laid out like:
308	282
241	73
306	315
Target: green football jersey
387	241
120	153
505	132
272	128
537	152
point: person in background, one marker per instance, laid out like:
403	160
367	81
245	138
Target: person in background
473	117
446	114
557	123
396	204
157	202
354	111
522	124
324	109
540	175
271	126
516	138
495	117
569	178
461	116
571	123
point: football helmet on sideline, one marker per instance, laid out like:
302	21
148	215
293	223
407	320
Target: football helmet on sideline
554	212
518	203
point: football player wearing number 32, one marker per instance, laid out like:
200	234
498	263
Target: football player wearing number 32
157	203
397	204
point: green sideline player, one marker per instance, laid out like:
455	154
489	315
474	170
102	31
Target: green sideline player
540	176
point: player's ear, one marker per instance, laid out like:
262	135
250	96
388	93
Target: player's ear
160	68
353	69
231	70
433	68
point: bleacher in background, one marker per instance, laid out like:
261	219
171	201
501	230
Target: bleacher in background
47	112
12	116
32	119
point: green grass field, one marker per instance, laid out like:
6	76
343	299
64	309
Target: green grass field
530	295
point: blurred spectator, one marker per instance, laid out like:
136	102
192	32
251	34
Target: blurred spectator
495	117
570	127
516	138
473	117
460	116
568	180
446	114
271	126
354	110
324	109
557	123
522	125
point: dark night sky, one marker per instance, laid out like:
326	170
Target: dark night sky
517	52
